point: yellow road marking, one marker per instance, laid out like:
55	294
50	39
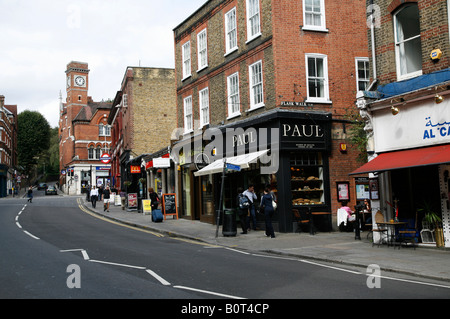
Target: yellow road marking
87	211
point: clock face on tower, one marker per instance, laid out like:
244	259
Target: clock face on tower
80	80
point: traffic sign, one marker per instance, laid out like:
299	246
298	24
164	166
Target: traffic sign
233	167
105	158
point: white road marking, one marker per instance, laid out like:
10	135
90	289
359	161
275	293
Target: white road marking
157	277
208	292
32	236
116	264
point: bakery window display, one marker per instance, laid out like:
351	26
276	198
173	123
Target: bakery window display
307	180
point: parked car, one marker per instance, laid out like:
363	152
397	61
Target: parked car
51	190
42	186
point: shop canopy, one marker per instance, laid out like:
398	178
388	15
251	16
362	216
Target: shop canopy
434	155
243	161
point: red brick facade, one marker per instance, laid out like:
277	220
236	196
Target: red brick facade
84	133
283	45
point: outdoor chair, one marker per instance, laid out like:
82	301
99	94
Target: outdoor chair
302	218
381	229
409	233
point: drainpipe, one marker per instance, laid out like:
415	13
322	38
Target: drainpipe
372	36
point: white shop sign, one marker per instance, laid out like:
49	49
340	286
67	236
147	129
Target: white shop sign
419	124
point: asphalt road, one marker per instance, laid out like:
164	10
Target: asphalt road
53	249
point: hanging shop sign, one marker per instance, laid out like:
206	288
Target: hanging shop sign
161	162
135	169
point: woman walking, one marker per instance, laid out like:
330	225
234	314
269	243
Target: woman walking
266	204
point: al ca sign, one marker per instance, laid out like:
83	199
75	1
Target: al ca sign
417	125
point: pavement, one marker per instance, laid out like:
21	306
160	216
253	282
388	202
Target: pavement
339	248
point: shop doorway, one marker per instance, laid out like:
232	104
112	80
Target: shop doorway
413	188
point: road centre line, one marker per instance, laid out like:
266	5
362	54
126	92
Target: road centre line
32	236
20	226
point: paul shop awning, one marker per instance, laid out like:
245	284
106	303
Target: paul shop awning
434	155
243	161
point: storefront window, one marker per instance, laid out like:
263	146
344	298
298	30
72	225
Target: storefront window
307	179
186	193
207	195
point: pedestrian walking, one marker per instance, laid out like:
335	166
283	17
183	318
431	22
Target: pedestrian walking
94	196
250	193
100	193
267	204
123	196
30	194
106	196
242	203
154	199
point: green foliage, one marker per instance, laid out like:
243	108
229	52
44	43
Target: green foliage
33	138
357	134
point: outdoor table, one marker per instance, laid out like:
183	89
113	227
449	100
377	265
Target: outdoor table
392	226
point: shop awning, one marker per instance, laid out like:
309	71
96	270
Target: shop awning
434	155
243	161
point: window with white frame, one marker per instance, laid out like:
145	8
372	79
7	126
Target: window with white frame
256	85
317	82
234	106
362	73
98	152
125	100
202	44
314	15
91	154
230	31
408	47
204	106
104	130
188	116
186	55
253	19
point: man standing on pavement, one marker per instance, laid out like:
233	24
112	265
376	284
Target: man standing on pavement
250	193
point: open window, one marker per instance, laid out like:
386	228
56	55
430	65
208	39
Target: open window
408	49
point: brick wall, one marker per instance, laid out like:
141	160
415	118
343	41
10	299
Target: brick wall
150	117
434	33
281	48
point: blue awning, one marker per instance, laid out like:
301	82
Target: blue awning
414	84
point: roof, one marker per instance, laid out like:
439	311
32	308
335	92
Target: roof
87	112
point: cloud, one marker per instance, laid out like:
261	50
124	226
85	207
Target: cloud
40	37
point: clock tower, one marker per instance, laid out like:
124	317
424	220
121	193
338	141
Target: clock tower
77	86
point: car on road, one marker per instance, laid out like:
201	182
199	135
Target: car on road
51	190
42	186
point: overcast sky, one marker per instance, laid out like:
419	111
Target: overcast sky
38	38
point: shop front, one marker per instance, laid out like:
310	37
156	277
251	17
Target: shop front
287	150
411	162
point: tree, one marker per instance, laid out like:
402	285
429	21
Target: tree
33	138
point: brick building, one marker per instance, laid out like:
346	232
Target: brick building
84	134
8	147
290	67
406	108
141	121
